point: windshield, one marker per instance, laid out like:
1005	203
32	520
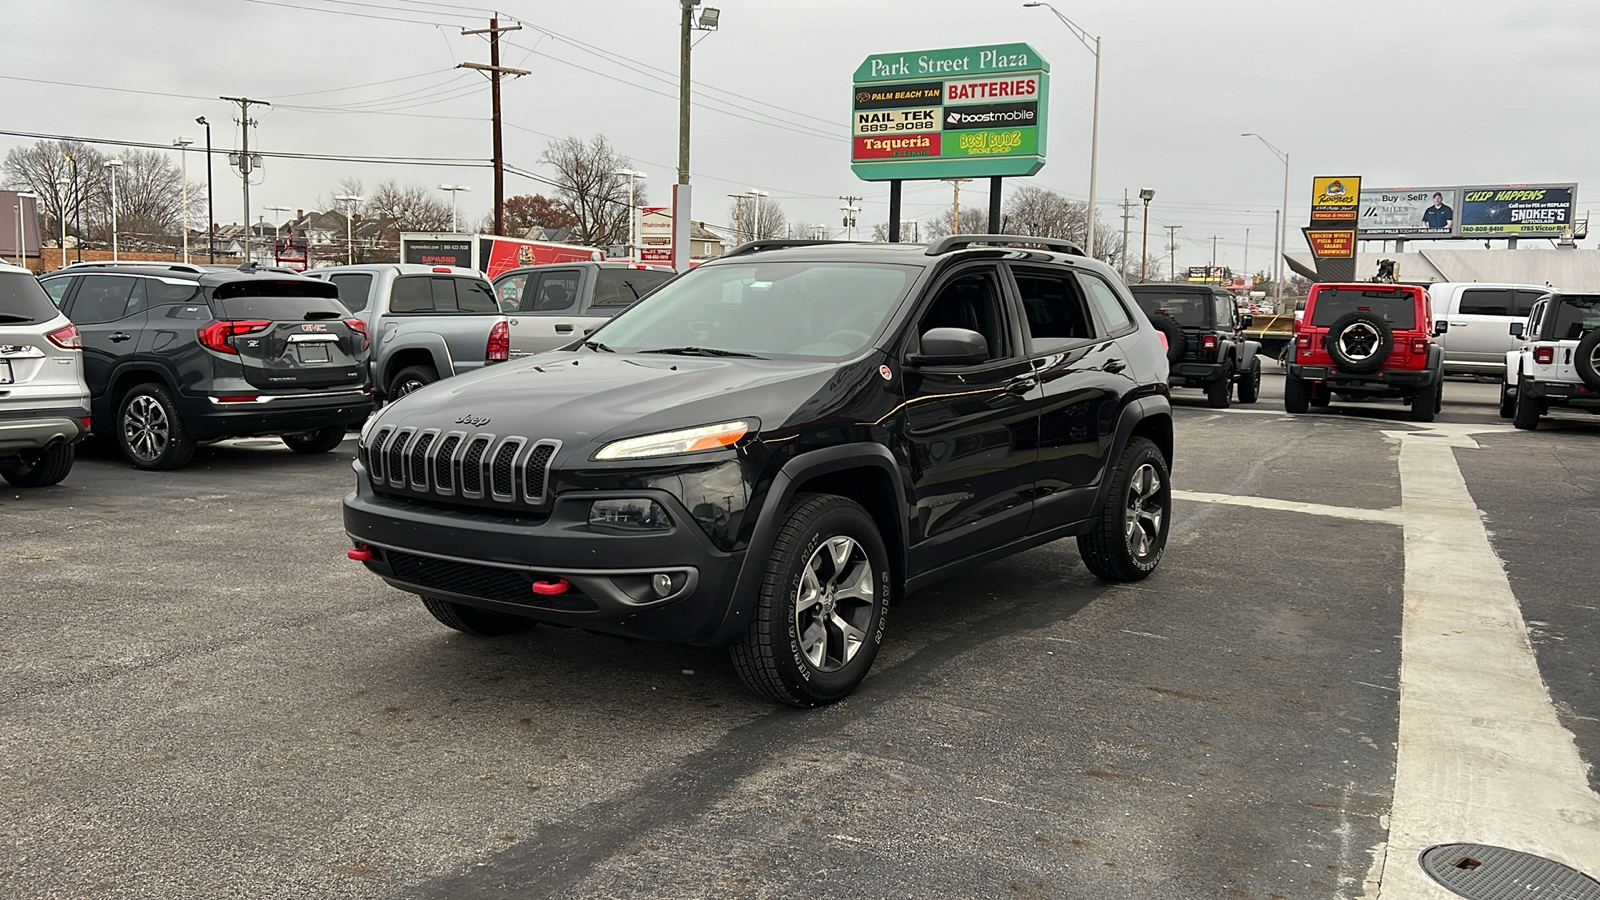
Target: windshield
23	301
780	308
1187	307
1398	308
1575	317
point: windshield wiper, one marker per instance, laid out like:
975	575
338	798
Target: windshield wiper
598	347
702	351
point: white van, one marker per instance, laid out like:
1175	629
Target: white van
1475	319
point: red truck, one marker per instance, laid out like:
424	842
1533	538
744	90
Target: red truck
1366	340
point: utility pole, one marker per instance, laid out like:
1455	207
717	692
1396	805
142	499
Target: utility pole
1146	195
682	203
1247	251
1214	239
738	216
850	209
1127	215
246	165
494	70
955	213
1172	251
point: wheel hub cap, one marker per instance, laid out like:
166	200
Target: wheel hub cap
833	604
146	428
1145	510
1359	341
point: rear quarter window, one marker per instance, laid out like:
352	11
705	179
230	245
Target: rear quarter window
354	287
23	301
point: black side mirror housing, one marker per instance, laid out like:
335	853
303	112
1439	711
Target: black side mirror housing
951	347
1440	327
1516	329
1246	320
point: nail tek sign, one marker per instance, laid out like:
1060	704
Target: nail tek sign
964	112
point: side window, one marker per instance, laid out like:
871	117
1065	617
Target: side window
620	287
104	298
1054	306
1225	310
1523	302
1485	302
57	289
354	288
444	294
1535	319
558	293
509	291
411	294
970	301
170	293
1103	299
473	296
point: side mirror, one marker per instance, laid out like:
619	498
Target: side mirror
1440	327
1246	320
1516	329
951	347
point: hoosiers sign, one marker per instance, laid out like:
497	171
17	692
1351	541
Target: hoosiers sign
963	112
1335	199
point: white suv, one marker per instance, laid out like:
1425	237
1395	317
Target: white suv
44	402
1558	364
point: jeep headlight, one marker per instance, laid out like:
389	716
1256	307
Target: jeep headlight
669	443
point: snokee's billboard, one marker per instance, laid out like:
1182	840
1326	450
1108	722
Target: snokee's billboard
1471	211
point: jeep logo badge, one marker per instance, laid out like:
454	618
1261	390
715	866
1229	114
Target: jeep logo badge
474	421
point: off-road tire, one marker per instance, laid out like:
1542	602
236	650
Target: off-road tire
1586	358
1250	384
41	468
1296	395
410	379
1525	414
1425	403
1380	353
320	441
150	407
769	656
1169	326
1508	401
1218	391
1321	396
474	621
1109	551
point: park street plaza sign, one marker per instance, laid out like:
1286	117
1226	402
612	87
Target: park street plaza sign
967	112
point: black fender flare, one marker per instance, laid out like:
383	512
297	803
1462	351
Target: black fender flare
1246	352
1131	415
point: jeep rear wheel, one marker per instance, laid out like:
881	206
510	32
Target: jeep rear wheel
474	621
1131	533
1508	401
1587	359
1217	391
1425	402
1360	341
1296	393
824	601
1525	414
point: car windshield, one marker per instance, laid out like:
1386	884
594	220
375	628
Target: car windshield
823	309
1575	317
1190	308
1398	308
23	301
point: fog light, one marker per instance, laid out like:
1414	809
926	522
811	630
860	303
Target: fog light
661	584
629	515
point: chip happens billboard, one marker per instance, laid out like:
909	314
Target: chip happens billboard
1471	211
960	112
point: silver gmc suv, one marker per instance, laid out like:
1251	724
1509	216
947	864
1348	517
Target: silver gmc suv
44	402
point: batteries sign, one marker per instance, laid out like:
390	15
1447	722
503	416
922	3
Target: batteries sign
961	112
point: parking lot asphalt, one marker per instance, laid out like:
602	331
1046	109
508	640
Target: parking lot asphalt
200	697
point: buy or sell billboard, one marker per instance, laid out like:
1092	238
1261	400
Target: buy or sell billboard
1409	212
1470	211
965	112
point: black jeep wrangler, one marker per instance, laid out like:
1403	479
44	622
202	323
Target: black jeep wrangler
1205	346
771	450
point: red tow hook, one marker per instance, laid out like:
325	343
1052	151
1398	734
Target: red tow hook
551	588
359	553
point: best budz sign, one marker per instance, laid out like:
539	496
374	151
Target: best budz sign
967	112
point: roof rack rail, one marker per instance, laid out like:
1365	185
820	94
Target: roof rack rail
776	244
139	264
954	242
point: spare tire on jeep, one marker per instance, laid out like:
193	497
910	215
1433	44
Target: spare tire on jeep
1587	359
1169	326
1360	341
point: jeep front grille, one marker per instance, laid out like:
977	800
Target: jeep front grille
508	470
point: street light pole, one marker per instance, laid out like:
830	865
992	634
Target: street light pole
1281	240
63	185
1172	252
349	227
183	154
1094	140
1145	194
211	210
681	196
633	213
22	231
113	165
756	197
453	189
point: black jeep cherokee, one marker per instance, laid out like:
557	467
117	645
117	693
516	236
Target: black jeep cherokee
177	355
1204	345
770	450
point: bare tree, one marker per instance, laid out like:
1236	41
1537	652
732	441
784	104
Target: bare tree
409	208
46	169
910	232
588	184
973	221
349	186
1039	212
149	194
757	217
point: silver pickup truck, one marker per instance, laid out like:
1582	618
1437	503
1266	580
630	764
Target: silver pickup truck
426	322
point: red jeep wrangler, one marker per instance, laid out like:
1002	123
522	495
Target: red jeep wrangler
1366	340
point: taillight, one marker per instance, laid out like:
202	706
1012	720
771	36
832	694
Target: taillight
360	326
1208	343
1544	356
1419	347
1165	345
216	335
66	337
499	346
1303	341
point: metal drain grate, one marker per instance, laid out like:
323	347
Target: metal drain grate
1482	872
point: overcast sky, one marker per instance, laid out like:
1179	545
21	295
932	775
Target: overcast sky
1402	92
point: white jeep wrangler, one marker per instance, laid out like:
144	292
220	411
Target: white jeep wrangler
1558	363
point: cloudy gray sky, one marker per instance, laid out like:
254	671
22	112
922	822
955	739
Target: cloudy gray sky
1402	92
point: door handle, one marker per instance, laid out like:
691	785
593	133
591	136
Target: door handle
120	336
1022	385
1459	324
563	329
1113	366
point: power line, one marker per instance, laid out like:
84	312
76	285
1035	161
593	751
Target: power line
446	161
345	12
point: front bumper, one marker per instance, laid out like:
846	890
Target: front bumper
1383	378
209	417
34	429
491	560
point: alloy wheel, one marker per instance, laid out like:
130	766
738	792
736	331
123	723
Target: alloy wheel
409	385
1359	341
833	604
1145	510
146	427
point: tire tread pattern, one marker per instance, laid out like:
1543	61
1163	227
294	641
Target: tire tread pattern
1105	550
52	466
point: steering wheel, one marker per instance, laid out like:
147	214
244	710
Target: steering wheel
850	332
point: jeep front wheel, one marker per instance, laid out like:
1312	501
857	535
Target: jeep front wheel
1131	532
1250	383
1525	415
1508	401
1217	391
823	605
1425	402
1296	395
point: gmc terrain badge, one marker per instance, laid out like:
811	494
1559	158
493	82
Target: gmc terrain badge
474	421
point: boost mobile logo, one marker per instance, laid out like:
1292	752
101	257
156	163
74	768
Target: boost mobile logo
954	118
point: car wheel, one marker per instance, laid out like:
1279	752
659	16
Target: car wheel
474	621
41	468
1525	414
149	431
1217	392
1424	405
1250	384
320	441
1508	401
1587	359
411	378
1169	326
823	605
1360	341
1321	396
1128	540
1295	391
